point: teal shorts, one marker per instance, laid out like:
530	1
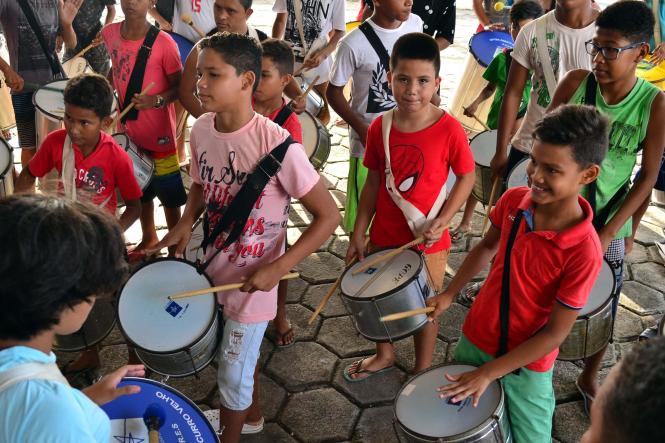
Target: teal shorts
529	396
354	186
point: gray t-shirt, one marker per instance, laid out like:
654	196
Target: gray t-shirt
25	54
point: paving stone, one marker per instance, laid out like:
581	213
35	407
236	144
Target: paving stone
265	351
375	426
570	422
655	215
335	138
654	255
450	353
342	184
334	307
379	388
294	233
405	356
272	433
610	357
639	254
338	170
650	274
299	216
565	374
329	181
339	197
195	389
114	338
298	316
339	246
310	421
297	288
455	260
320	267
112	357
272	397
450	322
648	234
302	365
641	299
341	336
627	325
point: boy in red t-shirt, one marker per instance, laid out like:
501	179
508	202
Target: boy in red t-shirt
153	127
425	142
276	72
545	247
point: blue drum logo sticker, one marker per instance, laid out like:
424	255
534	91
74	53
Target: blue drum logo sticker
175	310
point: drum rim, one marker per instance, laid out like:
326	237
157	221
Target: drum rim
385	294
320	127
46	113
91	344
168	388
392	339
152	163
484	424
481	63
510	173
10	164
476	136
608	300
183	348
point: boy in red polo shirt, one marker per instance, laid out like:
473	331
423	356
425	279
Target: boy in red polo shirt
514	329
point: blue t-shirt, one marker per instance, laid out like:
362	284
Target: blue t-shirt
46	411
660	16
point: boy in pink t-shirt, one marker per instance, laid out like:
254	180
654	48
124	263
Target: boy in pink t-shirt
227	144
153	128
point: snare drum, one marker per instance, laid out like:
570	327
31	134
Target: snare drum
402	285
49	101
483	46
144	165
518	176
593	328
6	169
76	66
172	337
654	74
483	147
421	416
194	251
7	119
315	139
313	102
96	328
183	420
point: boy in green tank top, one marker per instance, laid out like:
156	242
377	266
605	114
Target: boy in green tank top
636	110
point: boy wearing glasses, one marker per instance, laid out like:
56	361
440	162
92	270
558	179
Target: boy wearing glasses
636	110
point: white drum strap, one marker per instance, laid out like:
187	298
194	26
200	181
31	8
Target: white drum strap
655	8
31	371
297	6
68	175
416	220
252	33
544	54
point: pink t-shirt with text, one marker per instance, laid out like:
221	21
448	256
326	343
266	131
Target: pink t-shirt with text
220	164
154	130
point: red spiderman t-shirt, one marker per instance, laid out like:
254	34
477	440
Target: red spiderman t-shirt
420	163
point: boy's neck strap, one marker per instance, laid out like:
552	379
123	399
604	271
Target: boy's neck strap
135	83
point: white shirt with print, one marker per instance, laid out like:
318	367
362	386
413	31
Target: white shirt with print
357	59
566	48
202	15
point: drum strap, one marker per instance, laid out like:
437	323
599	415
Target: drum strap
236	214
544	54
33	21
416	220
251	31
68	174
297	10
283	115
375	42
138	72
31	371
504	307
655	8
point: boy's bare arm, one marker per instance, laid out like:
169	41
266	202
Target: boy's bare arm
458	195
181	233
335	95
131	214
651	160
365	212
187	86
25	181
150	101
110	14
163	23
567	87
479	10
279	26
483	95
317	58
67	11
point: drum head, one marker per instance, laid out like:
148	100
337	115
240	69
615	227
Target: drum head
50	99
183	420
486	44
419	408
194	250
153	322
76	66
601	291
483	147
310	133
518	175
6	157
184	45
402	269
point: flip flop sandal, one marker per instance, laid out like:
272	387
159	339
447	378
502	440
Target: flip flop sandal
588	398
358	370
282	337
467	295
212	415
459	234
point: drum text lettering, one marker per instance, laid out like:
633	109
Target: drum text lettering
402	273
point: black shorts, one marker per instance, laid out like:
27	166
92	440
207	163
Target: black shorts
24	112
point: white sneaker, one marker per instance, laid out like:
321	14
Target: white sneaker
213	417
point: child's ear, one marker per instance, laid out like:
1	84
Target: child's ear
590	174
437	81
389	76
644	51
286	79
248	80
248	13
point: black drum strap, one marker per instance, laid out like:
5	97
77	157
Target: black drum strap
504	308
283	115
33	21
376	44
138	73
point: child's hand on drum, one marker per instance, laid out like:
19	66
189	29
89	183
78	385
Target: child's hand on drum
469	384
658	54
106	390
356	247
178	236
440	303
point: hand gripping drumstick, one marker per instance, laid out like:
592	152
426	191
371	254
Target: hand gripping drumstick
187	19
154	417
495	186
487	128
386	256
222	288
332	290
406	314
309	88
131	105
94	44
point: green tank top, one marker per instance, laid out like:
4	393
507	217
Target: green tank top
628	128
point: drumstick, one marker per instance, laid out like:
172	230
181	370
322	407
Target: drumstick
495	186
406	314
332	290
154	417
487	128
94	44
131	105
386	256
222	288
309	88
188	20
299	71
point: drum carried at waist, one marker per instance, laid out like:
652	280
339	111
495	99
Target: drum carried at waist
76	66
654	74
483	147
518	175
6	169
144	165
483	47
315	139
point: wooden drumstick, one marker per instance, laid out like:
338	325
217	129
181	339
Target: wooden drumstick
188	20
131	105
487	128
331	291
222	288
495	186
386	256
154	417
406	314
308	90
299	71
94	44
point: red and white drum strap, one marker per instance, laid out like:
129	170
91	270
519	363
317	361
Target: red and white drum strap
416	220
31	371
544	54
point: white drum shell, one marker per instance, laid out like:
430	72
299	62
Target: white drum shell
6	167
315	139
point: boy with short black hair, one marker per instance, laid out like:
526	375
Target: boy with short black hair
229	143
357	59
425	142
636	110
547	257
